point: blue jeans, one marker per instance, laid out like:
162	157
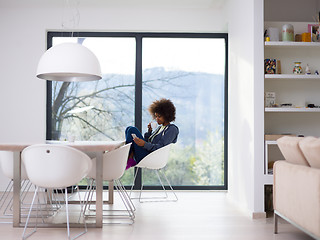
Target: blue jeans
138	152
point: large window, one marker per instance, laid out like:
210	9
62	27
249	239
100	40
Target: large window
139	68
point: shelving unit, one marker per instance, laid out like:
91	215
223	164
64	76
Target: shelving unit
267	144
299	90
268	176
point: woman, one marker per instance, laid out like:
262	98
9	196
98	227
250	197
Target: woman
164	112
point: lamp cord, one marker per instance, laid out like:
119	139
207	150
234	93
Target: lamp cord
71	15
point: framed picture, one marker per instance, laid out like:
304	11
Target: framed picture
310	27
315	32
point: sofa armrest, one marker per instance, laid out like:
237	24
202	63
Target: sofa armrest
296	194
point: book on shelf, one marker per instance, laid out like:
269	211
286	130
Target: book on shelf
270	99
272	66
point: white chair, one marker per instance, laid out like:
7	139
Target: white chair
52	166
6	165
114	164
156	161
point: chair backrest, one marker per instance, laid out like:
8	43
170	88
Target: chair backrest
114	163
55	166
157	159
6	164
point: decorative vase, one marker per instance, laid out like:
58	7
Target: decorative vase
308	70
297	68
287	32
273	34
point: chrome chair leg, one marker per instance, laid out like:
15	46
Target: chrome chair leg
176	197
28	218
128	204
88	195
24	236
127	196
5	196
156	199
164	189
134	179
67	215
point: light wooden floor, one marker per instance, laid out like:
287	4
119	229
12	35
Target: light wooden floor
196	216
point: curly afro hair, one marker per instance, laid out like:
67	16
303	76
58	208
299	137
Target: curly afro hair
163	107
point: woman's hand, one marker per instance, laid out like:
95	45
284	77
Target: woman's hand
139	142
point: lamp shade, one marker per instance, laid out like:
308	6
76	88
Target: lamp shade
69	62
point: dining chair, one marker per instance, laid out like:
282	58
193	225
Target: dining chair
114	164
51	166
156	161
6	202
6	165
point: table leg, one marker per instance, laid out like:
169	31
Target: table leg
110	200
99	189
16	188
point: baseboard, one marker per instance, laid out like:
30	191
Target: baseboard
257	215
245	210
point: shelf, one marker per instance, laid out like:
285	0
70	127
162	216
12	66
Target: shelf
292	76
268	179
267	174
272	142
273	44
293	109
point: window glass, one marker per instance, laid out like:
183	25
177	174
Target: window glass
190	72
97	110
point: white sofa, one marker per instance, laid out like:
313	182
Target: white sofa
296	188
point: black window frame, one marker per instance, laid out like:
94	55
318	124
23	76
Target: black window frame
138	89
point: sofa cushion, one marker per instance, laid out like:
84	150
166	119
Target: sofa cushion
310	147
289	147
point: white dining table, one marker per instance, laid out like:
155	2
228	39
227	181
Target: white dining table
95	147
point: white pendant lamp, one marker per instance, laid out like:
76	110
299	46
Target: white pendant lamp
69	62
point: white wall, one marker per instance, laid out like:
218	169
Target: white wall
258	101
291	10
23	27
245	155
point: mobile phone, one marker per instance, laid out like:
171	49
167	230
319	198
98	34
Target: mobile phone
133	135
